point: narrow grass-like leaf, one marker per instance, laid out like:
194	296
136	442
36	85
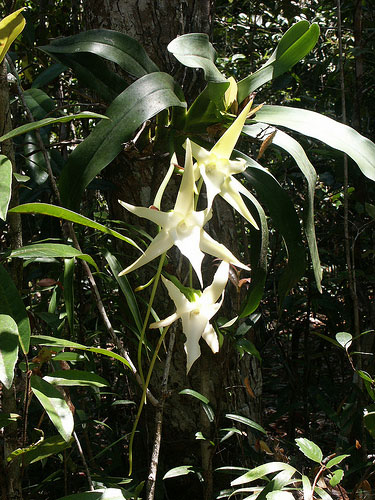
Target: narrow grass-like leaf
5	185
334	134
261	471
69	291
279	495
294	45
12	305
322	493
127	290
55	405
54	250
246	421
75	378
195	394
48	121
63	213
194	50
52	341
8	418
8	349
106	494
307	489
284	141
141	101
310	449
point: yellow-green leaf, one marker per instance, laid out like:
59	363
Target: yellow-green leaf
10	27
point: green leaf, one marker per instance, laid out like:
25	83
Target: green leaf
52	341
194	50
336	460
127	290
332	133
141	101
307	489
63	213
285	219
108	44
12	305
246	421
69	291
310	449
39	103
48	75
284	141
10	27
294	45
344	339
55	405
107	494
261	471
54	250
209	412
322	493
8	349
279	495
195	394
182	470
5	185
48	121
41	450
75	378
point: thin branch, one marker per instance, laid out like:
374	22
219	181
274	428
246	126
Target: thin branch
80	450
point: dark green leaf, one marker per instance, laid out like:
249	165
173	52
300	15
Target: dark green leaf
39	103
69	291
182	470
106	494
48	121
246	421
195	394
108	44
194	50
5	185
46	76
75	378
294	45
310	449
140	101
8	418
8	349
12	305
55	405
54	250
41	450
335	134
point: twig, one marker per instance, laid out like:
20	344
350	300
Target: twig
151	479
89	480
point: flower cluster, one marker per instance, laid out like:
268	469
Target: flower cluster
183	227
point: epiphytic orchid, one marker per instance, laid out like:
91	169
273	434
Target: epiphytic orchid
182	226
196	315
217	168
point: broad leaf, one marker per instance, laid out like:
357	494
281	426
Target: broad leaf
48	121
139	102
246	421
285	219
5	185
126	289
310	449
52	341
39	103
290	145
194	50
182	470
294	45
336	460
262	471
75	378
8	349
63	213
344	339
10	27
41	450
54	250
336	477
55	405
107	494
320	127
12	305
108	44
279	495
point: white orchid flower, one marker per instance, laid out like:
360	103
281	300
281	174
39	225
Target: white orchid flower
196	315
217	168
183	227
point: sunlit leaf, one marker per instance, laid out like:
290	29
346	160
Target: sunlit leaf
344	339
195	394
336	460
310	449
107	494
5	185
8	349
179	471
75	378
246	421
41	450
262	471
10	27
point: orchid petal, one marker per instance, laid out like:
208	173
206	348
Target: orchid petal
212	293
213	180
163	185
232	196
209	335
160	218
160	244
185	197
212	247
188	244
181	302
225	145
199	153
165	322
